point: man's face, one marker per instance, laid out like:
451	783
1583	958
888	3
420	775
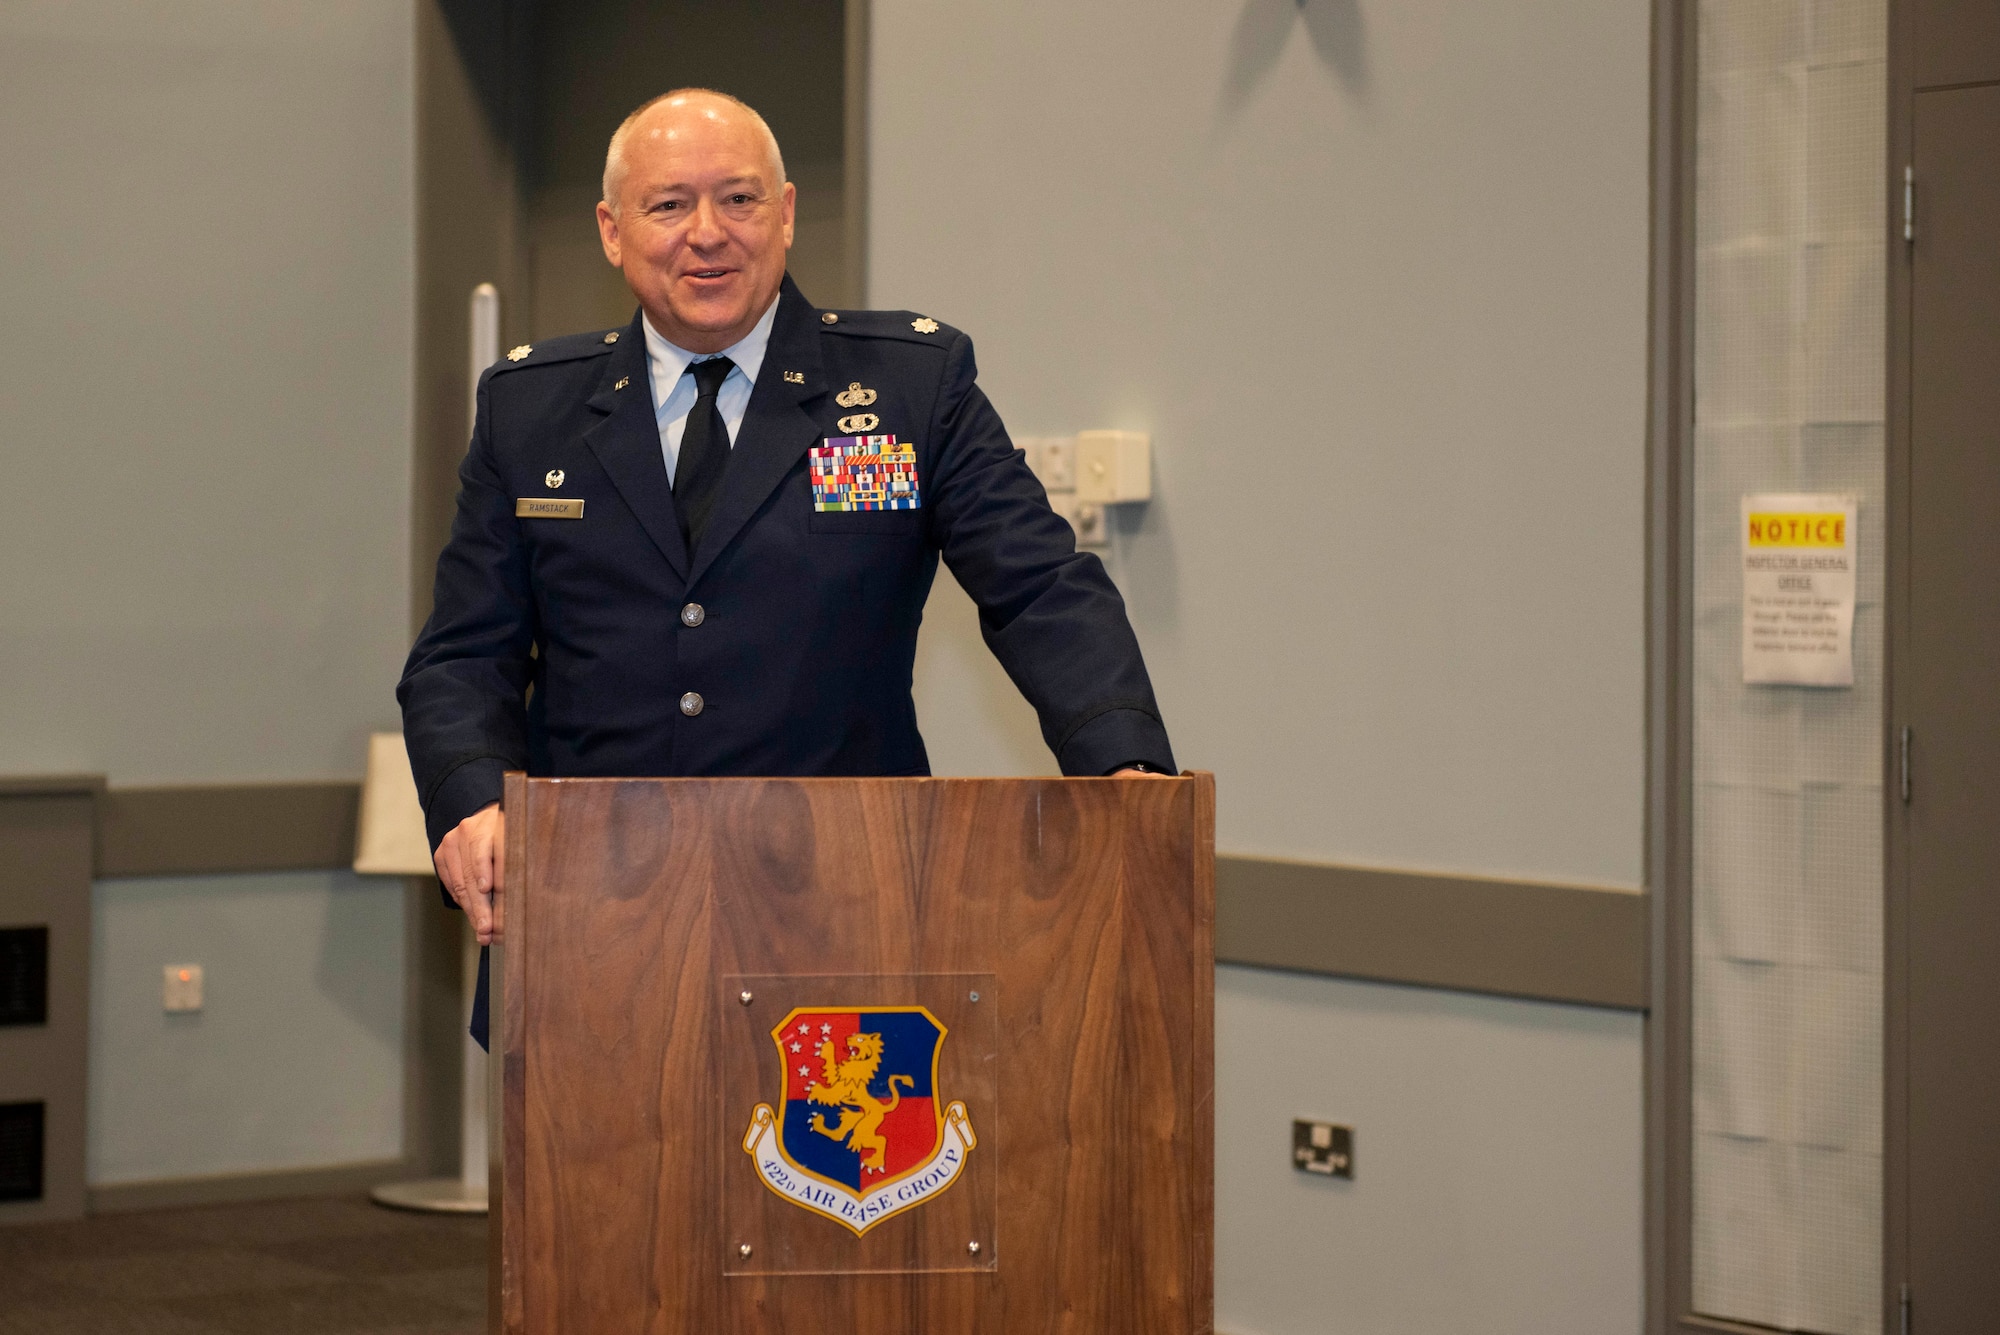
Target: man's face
702	223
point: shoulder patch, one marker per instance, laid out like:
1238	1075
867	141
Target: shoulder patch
563	348
904	326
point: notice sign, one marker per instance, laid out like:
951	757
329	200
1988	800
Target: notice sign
1798	590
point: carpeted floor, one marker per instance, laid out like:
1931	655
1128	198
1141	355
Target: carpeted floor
341	1266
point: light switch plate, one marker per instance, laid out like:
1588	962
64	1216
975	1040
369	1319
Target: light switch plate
1054	462
1324	1148
182	987
1113	467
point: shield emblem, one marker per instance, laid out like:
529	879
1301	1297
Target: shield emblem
862	1131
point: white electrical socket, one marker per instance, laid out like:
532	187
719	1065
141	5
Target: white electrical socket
182	987
1092	529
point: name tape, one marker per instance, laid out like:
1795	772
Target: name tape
531	507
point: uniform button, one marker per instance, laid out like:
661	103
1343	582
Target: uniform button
691	704
693	615
829	318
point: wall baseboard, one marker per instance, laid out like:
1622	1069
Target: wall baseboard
1577	944
230	1188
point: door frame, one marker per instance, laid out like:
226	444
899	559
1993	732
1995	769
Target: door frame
1669	676
1668	1163
1901	142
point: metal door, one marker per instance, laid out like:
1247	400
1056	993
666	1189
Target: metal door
1947	821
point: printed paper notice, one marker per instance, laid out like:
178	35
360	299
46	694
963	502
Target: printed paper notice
1798	590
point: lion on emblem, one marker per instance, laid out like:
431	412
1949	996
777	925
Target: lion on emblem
844	1084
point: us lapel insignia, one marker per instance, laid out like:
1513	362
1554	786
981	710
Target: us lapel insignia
517	354
854	396
862	1131
923	324
623	381
795	377
858	424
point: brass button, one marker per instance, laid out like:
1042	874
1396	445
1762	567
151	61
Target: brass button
691	704
829	318
693	615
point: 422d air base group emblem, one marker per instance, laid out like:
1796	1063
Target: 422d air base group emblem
862	1132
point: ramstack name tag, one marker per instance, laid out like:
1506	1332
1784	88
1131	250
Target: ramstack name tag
538	507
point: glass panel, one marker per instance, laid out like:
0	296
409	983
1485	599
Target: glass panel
1787	860
862	1122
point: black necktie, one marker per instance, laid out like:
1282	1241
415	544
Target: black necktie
704	450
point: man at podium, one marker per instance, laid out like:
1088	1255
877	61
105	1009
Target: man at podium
701	544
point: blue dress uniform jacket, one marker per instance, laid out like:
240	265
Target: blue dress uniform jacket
565	646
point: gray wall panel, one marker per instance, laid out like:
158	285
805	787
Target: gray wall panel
296	1058
1496	1151
1374	277
206	262
206	361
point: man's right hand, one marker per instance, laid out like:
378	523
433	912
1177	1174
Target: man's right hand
472	863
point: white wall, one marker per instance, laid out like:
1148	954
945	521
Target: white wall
1374	279
206	251
206	264
296	1057
1496	1148
1373	274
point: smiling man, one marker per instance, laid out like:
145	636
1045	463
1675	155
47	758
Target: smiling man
701	544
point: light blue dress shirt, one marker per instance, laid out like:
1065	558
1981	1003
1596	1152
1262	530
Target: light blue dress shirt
674	391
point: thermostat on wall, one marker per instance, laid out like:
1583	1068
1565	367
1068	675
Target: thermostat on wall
182	987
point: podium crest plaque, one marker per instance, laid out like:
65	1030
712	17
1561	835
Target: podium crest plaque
851	1102
863	1131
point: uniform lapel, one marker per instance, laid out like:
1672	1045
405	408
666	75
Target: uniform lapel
627	443
777	427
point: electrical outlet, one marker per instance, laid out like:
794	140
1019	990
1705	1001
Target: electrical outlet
1056	463
1323	1148
182	989
1092	529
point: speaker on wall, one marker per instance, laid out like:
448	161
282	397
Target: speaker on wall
21	1151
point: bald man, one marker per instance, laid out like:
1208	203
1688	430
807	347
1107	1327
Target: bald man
701	544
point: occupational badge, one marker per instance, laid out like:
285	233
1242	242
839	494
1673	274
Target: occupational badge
864	473
854	396
862	1132
554	478
858	424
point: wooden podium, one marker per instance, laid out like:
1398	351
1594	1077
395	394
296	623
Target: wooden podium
897	1056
